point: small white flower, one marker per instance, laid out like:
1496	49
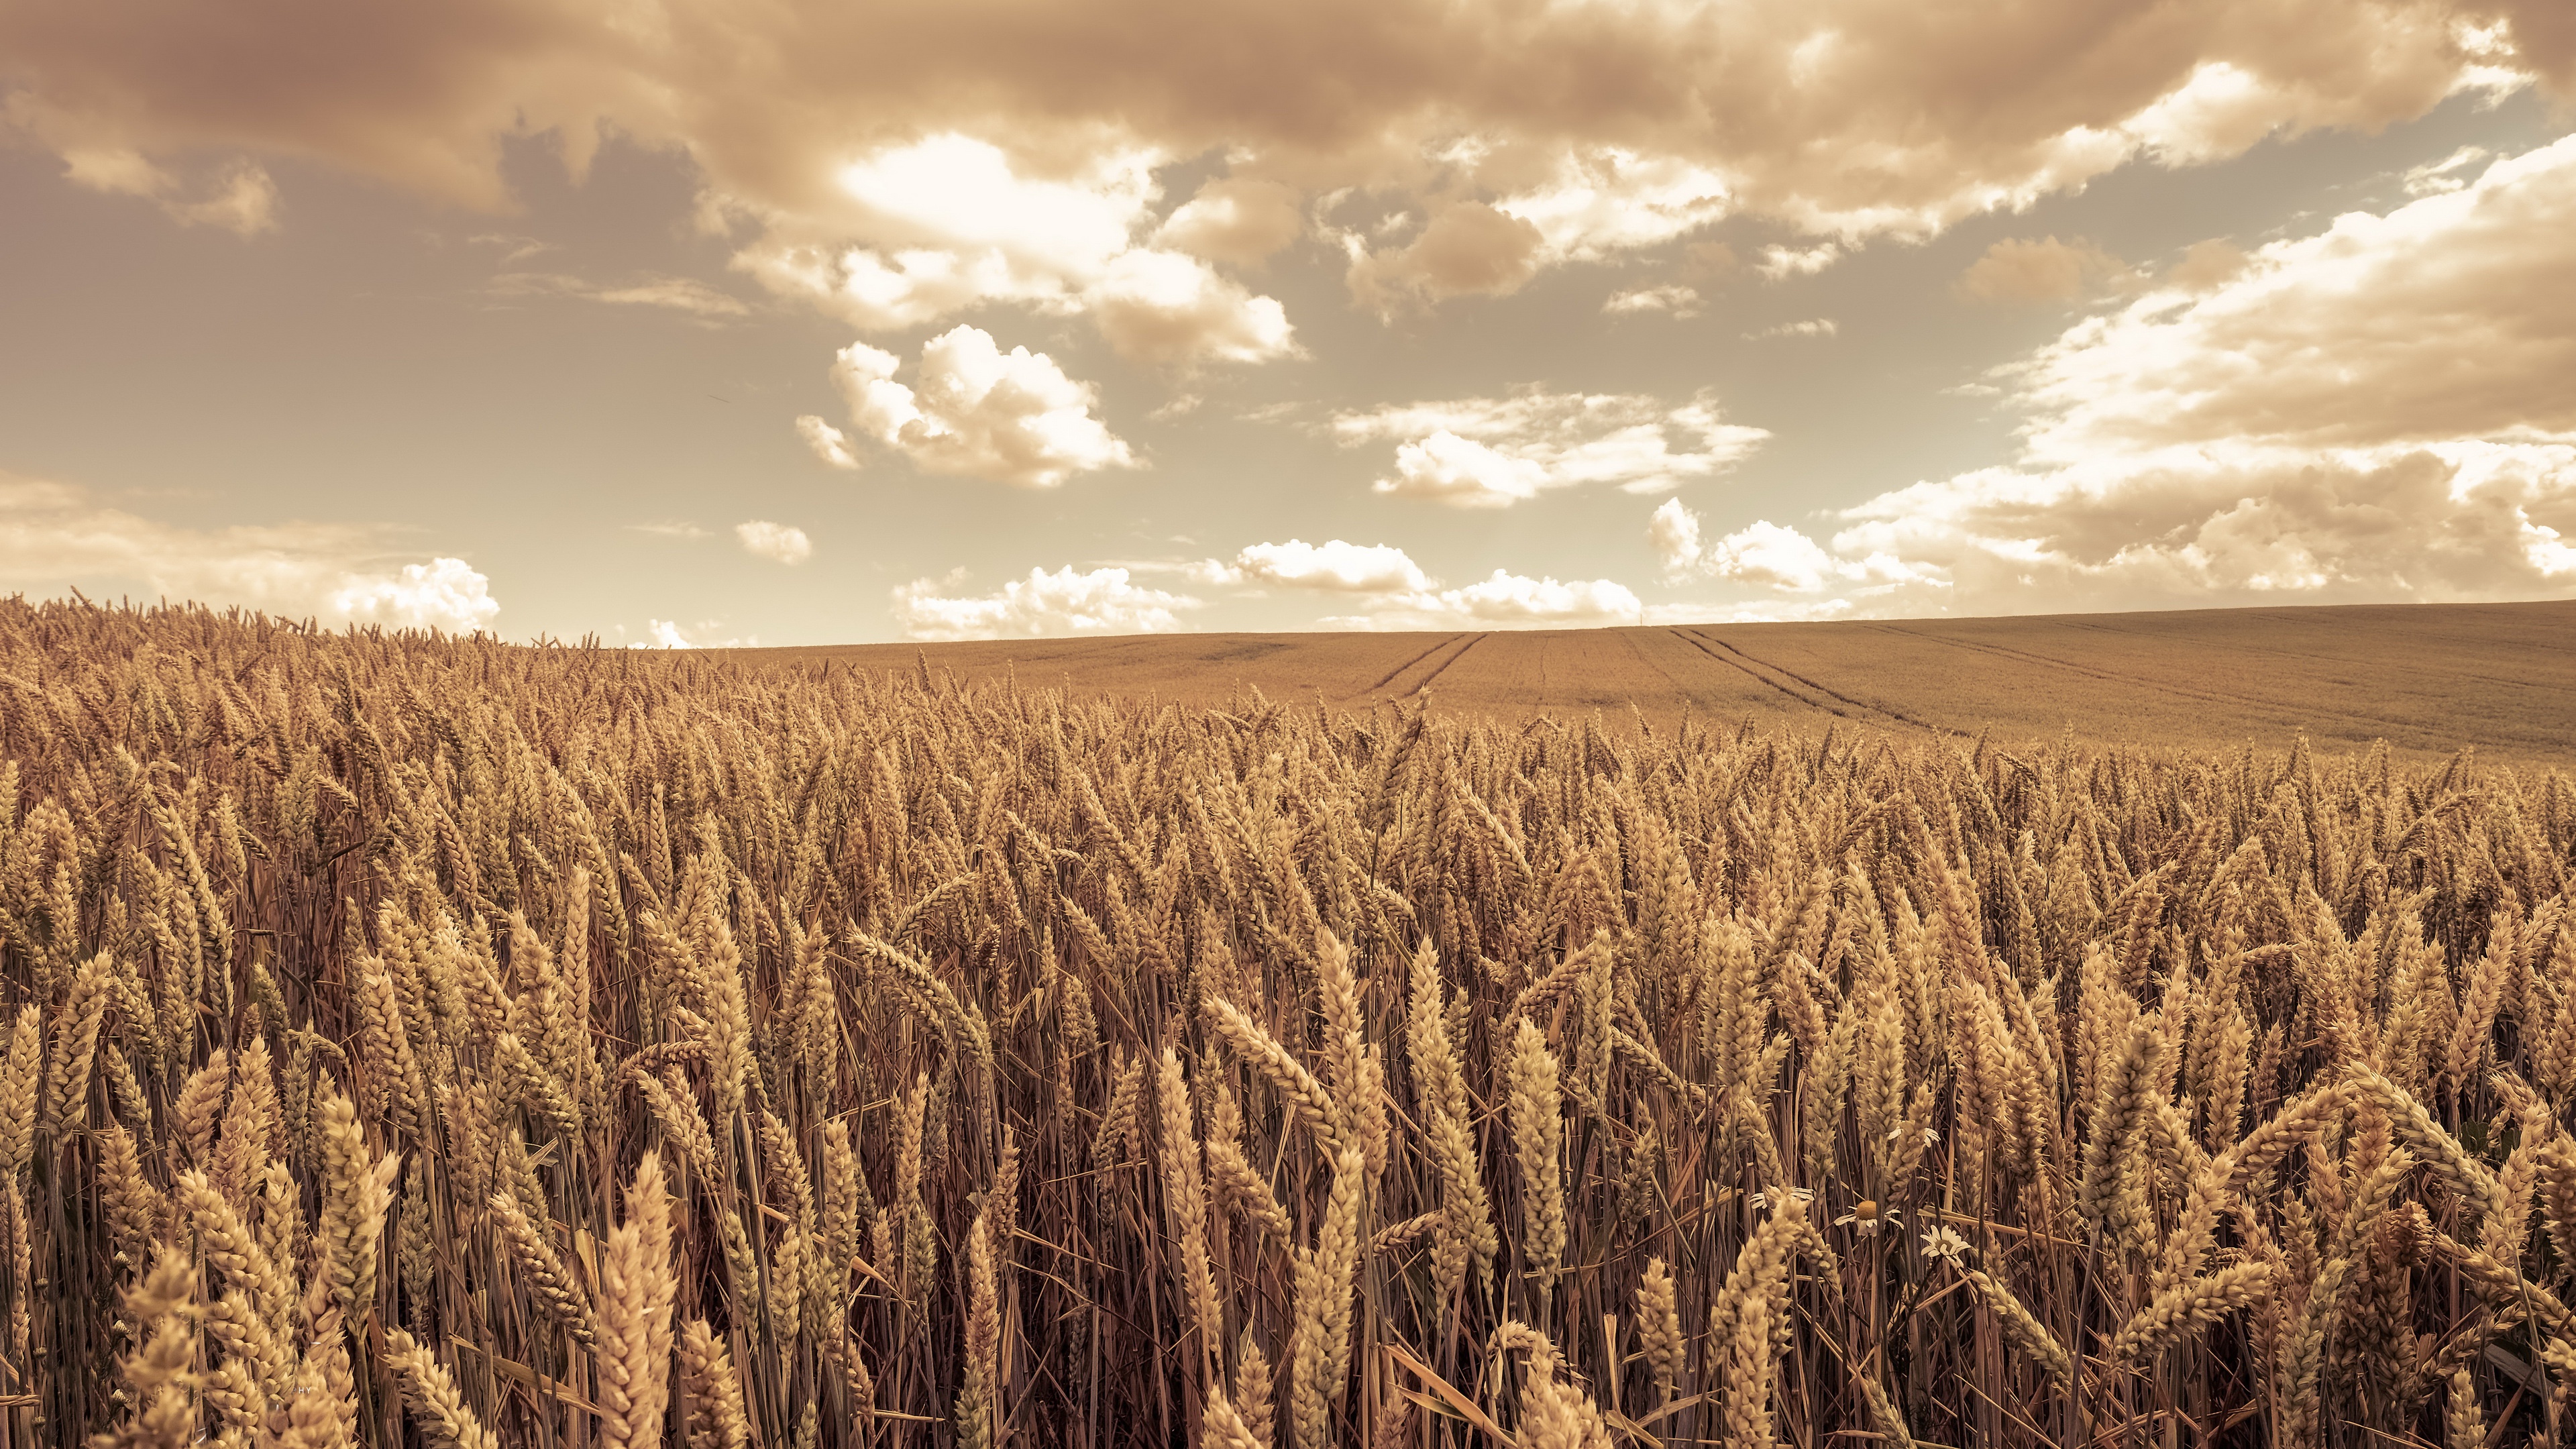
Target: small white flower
1941	1242
1931	1137
1762	1198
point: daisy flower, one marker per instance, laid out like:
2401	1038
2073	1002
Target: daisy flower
1867	1217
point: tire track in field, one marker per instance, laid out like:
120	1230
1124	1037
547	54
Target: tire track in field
1749	672
1444	665
1630	639
1891	712
1390	675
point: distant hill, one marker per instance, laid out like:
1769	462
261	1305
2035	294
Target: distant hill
2428	678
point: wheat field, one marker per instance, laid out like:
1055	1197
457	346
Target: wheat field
422	1041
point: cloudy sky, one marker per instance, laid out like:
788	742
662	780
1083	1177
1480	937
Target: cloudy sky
676	321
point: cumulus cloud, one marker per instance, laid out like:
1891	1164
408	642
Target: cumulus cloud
2386	410
1240	221
55	534
827	442
1494	452
1770	555
1165	307
2452	316
1393	592
897	162
1347	567
1809	327
1099	601
777	542
2023	269
979	412
1672	299
952	222
1506	600
1780	262
667	634
1467	248
240	198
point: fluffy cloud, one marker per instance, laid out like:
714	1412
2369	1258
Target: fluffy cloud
827	442
1810	327
1239	221
1466	249
776	542
239	198
1297	564
952	222
1673	299
1165	307
667	634
1394	592
2386	410
978	412
1769	555
1492	453
54	534
2452	316
1779	263
1501	600
2018	269
1100	601
898	161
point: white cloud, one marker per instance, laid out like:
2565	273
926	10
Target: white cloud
2435	177
953	222
2384	411
1465	249
896	162
1348	567
1502	600
667	634
1394	592
776	542
239	198
829	443
1100	601
1673	533
1779	262
445	593
949	222
55	534
1492	453
979	412
1165	307
1769	555
1811	327
1674	299
1598	203
2452	316
1234	220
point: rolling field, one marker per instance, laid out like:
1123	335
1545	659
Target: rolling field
2429	678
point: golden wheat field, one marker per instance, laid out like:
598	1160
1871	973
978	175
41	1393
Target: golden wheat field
422	1041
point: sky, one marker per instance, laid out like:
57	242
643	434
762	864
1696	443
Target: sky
673	322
